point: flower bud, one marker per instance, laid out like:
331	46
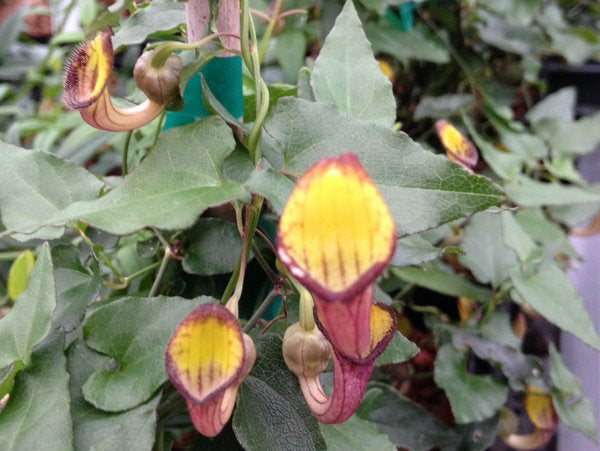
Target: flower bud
306	353
159	84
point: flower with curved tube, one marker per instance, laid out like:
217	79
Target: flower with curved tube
336	236
207	359
86	89
458	148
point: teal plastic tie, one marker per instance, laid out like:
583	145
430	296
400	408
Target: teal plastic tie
407	15
224	78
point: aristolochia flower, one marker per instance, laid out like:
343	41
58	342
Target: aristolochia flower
336	236
86	89
458	148
207	360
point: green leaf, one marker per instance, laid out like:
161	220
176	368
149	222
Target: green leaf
274	186
478	436
414	250
264	420
46	184
37	413
517	12
528	146
140	329
178	180
574	410
442	106
506	165
215	247
347	75
516	366
472	398
271	412
517	239
399	350
423	190
575	138
499	32
76	287
304	89
440	278
10	28
561	377
30	319
578	415
18	275
486	254
407	424
291	51
563	167
276	91
545	232
528	193
419	43
559	107
355	434
103	431
160	15
498	327
549	292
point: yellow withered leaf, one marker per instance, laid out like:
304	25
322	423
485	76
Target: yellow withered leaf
336	233
18	276
206	353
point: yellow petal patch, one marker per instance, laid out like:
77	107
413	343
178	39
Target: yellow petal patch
382	323
458	148
336	233
386	69
206	353
466	307
540	410
88	72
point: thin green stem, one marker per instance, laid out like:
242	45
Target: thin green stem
263	264
99	254
244	33
125	156
264	43
161	271
164	49
159	127
262	308
142	271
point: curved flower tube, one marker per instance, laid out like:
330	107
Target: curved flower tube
336	236
350	376
458	148
86	89
542	415
207	359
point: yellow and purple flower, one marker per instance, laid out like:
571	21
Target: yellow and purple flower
207	359
458	148
86	89
336	236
